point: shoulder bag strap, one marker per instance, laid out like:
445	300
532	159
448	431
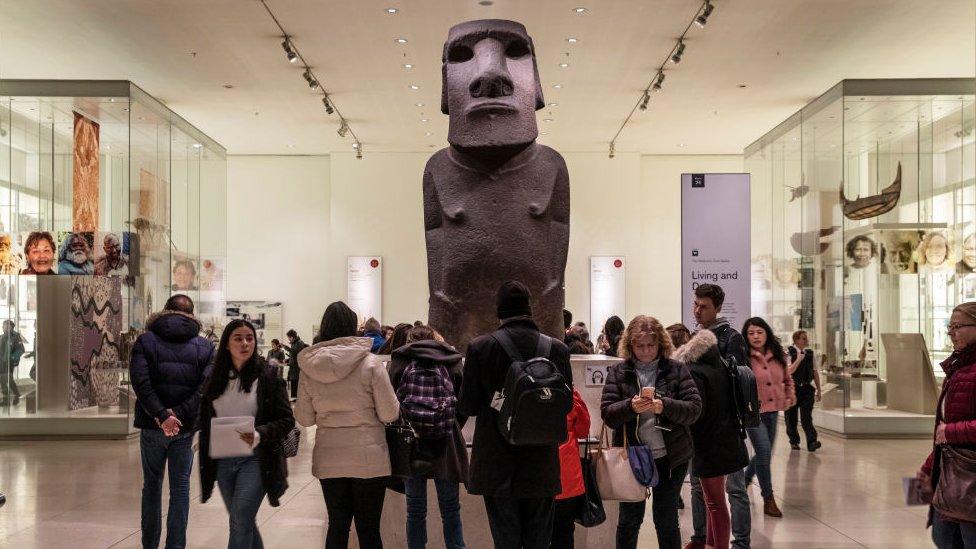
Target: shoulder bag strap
544	346
505	340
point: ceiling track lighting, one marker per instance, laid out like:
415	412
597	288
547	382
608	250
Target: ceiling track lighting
659	82
359	152
293	55
678	52
289	51
700	18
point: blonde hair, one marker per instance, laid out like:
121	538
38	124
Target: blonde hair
642	325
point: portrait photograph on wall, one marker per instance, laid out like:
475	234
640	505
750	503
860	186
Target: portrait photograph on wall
184	274
861	251
112	253
898	251
935	251
11	255
76	253
967	261
40	253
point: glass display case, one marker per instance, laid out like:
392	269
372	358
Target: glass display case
864	210
109	203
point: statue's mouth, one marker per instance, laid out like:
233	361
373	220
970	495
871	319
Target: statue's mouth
491	107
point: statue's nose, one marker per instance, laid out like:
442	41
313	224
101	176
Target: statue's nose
492	78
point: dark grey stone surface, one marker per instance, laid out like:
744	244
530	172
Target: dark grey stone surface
496	203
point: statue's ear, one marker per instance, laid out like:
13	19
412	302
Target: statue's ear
540	101
444	81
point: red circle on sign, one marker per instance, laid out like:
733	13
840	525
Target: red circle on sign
374	263
617	263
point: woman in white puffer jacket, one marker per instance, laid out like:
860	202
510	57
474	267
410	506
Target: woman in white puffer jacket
346	393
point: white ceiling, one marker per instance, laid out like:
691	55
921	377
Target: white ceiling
785	51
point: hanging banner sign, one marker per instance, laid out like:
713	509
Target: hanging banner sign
364	286
716	242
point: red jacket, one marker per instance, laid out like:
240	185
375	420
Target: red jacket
570	472
959	392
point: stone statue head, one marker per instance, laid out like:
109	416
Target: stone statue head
491	86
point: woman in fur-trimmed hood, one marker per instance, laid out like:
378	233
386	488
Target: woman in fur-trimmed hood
720	447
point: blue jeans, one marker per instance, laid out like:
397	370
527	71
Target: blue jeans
735	487
763	438
447	500
157	451
952	535
239	480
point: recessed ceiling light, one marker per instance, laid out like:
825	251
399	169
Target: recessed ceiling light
572	40
580	10
547	119
543	133
418	104
291	146
407	66
681	145
557	86
355	145
425	119
563	65
401	40
553	104
428	134
197	145
229	86
392	11
414	87
111	100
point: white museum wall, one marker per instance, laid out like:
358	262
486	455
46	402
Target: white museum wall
278	212
626	206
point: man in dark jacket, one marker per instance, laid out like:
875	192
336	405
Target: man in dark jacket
709	299
169	364
295	346
519	483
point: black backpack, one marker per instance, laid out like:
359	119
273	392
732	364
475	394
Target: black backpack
745	394
535	397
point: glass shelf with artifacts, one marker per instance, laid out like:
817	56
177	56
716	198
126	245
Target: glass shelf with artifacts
864	209
102	189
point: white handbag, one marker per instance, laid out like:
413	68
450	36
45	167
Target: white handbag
614	477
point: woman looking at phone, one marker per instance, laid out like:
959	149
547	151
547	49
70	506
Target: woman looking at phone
654	400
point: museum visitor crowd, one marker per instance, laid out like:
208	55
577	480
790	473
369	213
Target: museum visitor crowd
680	401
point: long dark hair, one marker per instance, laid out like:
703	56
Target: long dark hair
337	321
613	329
773	344
397	340
223	364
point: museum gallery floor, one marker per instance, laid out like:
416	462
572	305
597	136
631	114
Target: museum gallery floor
846	495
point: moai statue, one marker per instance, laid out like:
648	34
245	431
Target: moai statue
496	203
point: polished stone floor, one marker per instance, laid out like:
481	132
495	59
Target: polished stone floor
86	494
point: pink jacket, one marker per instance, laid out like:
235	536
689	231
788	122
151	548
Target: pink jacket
774	382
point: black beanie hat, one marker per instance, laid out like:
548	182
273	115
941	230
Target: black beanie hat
513	300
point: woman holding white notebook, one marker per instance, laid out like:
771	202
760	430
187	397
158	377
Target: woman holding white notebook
244	417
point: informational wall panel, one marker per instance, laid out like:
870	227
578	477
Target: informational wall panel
608	291
364	286
715	242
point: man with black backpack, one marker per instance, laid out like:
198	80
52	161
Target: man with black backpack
709	299
517	382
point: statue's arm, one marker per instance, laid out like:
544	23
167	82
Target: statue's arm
433	232
560	219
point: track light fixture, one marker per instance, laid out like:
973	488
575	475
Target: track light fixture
702	18
289	51
611	149
359	151
659	83
678	52
645	100
293	55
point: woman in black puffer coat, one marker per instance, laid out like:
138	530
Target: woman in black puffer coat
719	442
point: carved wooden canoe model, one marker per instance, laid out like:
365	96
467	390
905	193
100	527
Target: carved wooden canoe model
809	243
874	205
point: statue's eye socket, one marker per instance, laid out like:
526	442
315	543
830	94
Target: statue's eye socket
460	54
517	49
